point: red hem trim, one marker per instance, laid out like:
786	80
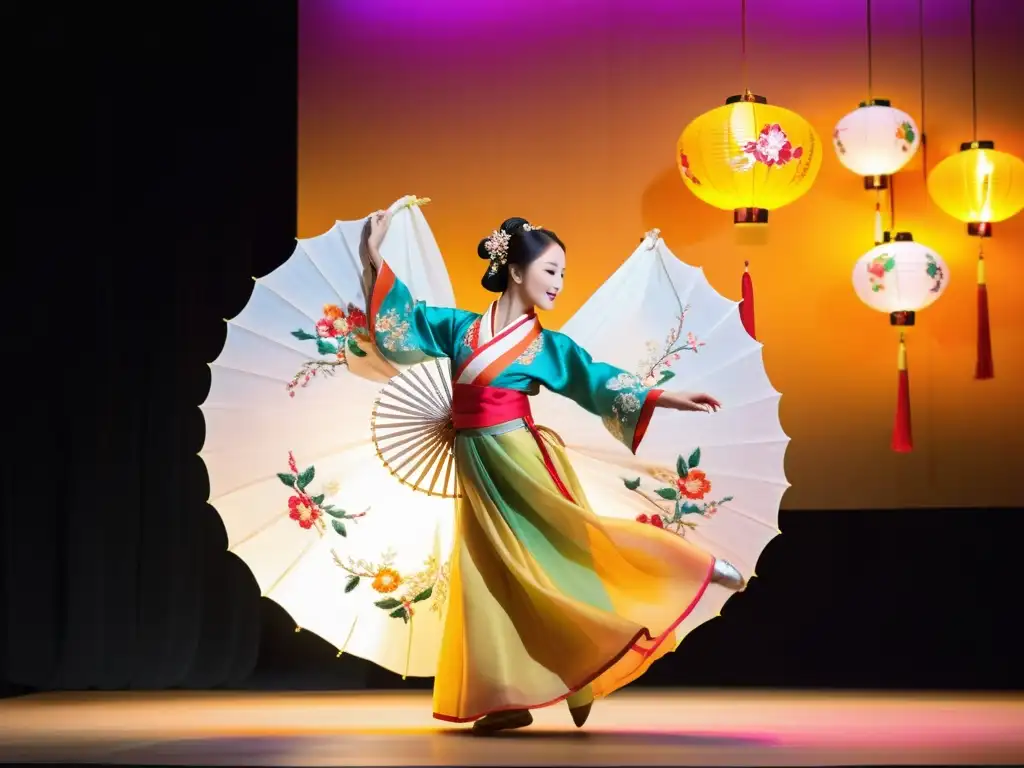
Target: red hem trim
646	413
631	646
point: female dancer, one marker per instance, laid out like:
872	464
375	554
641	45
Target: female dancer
547	601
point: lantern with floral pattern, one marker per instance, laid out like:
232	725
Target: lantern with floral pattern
900	277
748	157
875	141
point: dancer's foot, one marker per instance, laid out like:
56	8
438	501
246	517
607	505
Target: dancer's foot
725	573
580	714
503	721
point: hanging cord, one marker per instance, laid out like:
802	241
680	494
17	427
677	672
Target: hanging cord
924	138
892	205
870	68
743	46
974	75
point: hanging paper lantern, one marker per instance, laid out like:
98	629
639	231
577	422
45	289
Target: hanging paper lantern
900	277
748	157
979	185
875	141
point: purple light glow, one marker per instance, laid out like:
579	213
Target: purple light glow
442	14
537	16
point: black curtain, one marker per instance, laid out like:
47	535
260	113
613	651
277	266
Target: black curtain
155	172
155	168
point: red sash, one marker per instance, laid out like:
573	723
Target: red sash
481	407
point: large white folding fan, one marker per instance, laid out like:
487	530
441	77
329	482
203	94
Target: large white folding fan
332	468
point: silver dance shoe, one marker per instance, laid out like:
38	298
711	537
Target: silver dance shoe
725	573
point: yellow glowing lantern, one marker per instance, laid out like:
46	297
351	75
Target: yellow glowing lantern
979	185
749	157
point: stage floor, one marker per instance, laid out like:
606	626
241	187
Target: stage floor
629	729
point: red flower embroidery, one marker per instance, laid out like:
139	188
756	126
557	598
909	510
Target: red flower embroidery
302	509
695	485
356	318
773	147
642	518
656	521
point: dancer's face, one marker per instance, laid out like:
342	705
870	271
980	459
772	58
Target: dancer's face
543	279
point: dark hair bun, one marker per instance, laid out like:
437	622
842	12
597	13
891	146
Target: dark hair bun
511	226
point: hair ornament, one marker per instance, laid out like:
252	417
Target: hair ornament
497	249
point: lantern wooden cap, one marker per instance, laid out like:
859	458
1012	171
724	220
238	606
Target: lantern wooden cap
875	103
747	96
969	145
898	237
750	216
903	318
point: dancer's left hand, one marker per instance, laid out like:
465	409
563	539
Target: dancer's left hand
690	401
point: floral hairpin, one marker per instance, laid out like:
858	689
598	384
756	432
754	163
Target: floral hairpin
497	249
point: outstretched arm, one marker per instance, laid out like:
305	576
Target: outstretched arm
405	331
622	400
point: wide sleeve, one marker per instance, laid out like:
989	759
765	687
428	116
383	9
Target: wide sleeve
622	401
407	331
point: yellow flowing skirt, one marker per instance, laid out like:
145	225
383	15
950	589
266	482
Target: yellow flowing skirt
547	600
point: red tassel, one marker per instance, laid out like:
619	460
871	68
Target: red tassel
983	368
747	302
902	438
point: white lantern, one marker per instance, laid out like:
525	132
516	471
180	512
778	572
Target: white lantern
875	141
900	277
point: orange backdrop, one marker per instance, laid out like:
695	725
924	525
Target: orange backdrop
567	112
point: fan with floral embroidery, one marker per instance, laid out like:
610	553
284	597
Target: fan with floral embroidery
342	540
715	479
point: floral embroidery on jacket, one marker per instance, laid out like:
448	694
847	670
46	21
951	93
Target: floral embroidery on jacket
394	330
530	353
471	338
628	401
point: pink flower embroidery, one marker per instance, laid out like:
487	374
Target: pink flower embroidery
773	147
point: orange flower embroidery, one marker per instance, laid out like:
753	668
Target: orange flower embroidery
695	485
387	580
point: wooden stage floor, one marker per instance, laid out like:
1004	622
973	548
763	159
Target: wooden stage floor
630	729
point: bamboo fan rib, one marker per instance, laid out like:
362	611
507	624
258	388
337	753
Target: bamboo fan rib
412	430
